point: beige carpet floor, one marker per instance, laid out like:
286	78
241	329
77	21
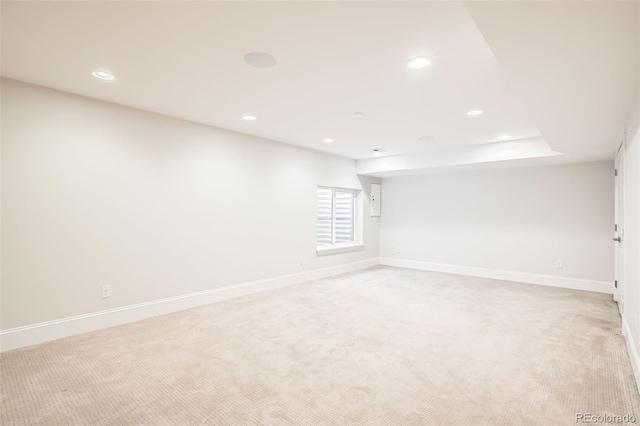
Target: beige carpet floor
384	346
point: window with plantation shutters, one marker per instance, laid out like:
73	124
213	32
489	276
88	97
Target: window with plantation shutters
335	219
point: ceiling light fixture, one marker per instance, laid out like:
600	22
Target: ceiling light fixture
327	140
419	62
358	114
503	137
377	152
249	117
473	112
260	60
103	75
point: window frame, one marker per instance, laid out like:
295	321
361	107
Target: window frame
356	232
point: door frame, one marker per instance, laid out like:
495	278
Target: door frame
619	289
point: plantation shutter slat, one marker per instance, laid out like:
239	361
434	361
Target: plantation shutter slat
324	226
343	217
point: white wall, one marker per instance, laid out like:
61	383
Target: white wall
520	220
94	193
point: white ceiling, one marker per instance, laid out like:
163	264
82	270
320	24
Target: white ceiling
564	68
573	64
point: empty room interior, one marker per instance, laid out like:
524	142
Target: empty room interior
320	213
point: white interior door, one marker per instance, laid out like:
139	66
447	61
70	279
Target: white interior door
618	238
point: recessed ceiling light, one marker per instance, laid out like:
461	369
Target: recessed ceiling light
260	59
327	140
419	62
475	112
103	75
503	137
378	152
425	138
358	114
249	117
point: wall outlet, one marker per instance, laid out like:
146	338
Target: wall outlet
559	264
106	291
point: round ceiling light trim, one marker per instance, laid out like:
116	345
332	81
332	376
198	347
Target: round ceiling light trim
503	137
249	117
419	62
260	60
328	140
103	75
475	112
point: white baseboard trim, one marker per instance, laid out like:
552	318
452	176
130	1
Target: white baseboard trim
548	280
19	337
633	352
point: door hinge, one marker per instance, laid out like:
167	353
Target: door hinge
615	283
615	172
615	227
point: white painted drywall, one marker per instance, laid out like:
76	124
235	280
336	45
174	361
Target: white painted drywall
95	193
520	220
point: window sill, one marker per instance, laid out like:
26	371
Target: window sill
323	251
